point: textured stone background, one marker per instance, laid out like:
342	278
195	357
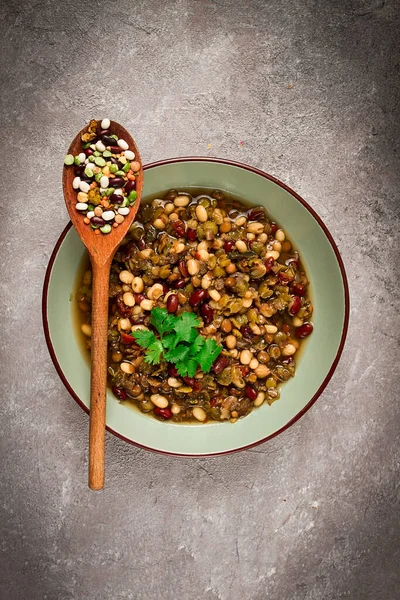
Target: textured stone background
312	90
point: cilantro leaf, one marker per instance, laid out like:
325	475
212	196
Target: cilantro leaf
196	346
153	353
187	368
184	326
208	353
144	337
178	354
162	320
169	340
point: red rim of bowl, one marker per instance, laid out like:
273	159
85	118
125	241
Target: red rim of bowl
331	370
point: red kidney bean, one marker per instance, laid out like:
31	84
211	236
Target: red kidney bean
127	339
117	182
191	234
130	186
214	401
164	413
172	371
245	370
274	228
172	303
220	364
295	306
255	214
269	263
106	132
197	298
116	199
298	289
197	385
250	392
107	141
115	149
139	298
120	393
189	381
229	245
207	313
179	228
98	221
246	331
179	284
183	268
89	152
304	330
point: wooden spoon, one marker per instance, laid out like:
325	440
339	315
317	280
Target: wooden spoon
101	249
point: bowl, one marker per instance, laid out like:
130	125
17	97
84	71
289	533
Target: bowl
321	351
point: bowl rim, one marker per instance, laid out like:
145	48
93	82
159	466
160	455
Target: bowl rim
328	375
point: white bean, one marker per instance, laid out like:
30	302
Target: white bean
201	213
104	181
174	383
84	186
127	368
241	246
108	215
126	277
76	182
122	144
147	304
158	400
288	350
271	329
86	329
175	409
192	266
260	399
100	146
105	124
81	206
128	299
82	157
124	210
280	235
199	413
90	214
137	285
181	201
129	155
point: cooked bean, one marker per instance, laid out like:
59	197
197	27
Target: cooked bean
193	266
137	285
125	324
207	313
126	277
127	368
245	357
159	400
197	298
172	303
86	329
230	342
260	399
201	213
199	413
175	409
280	235
181	200
174	383
261	371
147	304
241	246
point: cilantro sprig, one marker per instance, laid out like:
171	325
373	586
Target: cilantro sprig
179	342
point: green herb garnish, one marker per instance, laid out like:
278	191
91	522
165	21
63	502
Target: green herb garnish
179	342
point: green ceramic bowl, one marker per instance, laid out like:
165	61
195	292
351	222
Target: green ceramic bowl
318	359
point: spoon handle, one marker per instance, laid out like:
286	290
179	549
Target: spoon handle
98	384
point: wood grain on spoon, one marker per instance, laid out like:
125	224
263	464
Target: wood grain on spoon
101	249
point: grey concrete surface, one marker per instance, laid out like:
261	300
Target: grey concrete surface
312	90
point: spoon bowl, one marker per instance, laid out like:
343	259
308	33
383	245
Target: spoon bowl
101	249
